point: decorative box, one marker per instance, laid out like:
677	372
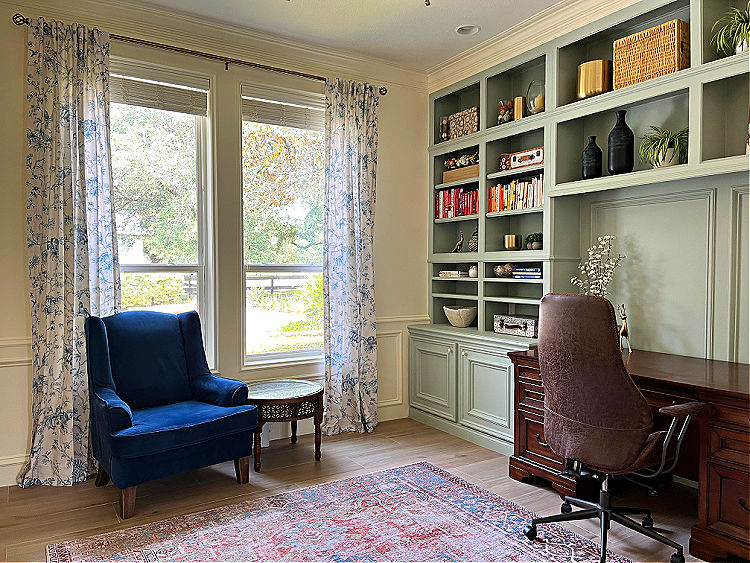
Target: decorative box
517	325
650	53
462	173
463	123
520	159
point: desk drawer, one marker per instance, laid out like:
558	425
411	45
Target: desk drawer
527	372
728	501
530	394
532	444
732	415
729	445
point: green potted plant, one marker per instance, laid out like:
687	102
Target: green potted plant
732	32
663	148
534	241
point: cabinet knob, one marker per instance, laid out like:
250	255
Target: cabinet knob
450	350
463	353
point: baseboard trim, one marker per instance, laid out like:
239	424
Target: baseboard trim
478	438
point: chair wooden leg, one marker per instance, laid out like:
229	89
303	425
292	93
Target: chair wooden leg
101	477
242	469
127	505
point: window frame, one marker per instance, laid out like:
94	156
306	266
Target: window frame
204	268
286	96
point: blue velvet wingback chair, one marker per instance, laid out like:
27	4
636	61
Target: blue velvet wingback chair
156	409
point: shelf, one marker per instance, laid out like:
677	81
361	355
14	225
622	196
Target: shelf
512	280
513	300
472	331
639	178
457	183
453	257
526	171
724	132
456	219
453	102
447	278
515	212
455	296
515	256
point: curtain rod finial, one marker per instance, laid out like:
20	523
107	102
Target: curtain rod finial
18	19
383	90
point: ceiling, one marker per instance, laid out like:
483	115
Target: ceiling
405	32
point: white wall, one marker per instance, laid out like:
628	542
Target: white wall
401	231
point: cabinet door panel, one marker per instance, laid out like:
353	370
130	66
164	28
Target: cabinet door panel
486	392
432	376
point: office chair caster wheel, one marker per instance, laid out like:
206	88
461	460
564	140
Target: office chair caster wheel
529	530
565	508
677	558
648	522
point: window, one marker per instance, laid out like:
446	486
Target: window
283	189
158	148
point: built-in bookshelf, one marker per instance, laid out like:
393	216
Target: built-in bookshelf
711	98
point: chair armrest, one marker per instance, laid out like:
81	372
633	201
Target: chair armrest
118	413
683	409
219	391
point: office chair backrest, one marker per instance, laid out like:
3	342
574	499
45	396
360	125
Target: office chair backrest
593	412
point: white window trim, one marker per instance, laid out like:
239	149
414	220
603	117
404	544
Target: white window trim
250	362
205	268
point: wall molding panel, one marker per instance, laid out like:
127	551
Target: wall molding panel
739	200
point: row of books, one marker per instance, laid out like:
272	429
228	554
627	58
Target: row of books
519	194
527	273
456	202
452	274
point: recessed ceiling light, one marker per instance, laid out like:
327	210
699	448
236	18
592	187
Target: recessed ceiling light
467	29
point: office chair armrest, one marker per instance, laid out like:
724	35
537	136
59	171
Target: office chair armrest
683	409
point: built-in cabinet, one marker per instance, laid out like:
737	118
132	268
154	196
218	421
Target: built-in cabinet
462	382
680	226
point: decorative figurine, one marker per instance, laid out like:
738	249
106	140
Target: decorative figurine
504	270
460	243
461	161
505	112
473	272
624	328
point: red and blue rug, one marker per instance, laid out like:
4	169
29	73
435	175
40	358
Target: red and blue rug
413	513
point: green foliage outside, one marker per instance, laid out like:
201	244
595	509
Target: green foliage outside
154	168
147	290
311	301
282	173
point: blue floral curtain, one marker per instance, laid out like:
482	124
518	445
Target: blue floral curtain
351	385
73	266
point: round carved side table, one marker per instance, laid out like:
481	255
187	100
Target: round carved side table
286	400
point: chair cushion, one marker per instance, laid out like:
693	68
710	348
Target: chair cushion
170	427
147	357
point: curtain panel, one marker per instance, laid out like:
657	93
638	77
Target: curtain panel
350	343
71	242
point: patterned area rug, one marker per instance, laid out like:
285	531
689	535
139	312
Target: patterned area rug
413	513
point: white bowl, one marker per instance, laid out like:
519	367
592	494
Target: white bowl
460	316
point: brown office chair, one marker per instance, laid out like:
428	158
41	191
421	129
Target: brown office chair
594	414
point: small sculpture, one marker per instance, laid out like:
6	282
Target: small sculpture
624	328
460	243
504	270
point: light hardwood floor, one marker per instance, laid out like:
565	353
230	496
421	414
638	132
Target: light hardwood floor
32	518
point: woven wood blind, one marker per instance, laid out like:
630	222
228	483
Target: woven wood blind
158	96
261	111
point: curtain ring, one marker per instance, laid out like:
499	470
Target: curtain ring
383	90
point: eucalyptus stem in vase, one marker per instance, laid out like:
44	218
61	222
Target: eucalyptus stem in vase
597	271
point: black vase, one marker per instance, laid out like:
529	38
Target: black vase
620	148
591	163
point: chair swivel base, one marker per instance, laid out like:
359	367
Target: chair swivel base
606	513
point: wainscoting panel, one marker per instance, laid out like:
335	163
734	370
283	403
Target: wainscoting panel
666	281
15	406
740	291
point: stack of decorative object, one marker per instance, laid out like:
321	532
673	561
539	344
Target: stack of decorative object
517	108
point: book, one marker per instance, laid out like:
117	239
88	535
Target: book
518	194
456	202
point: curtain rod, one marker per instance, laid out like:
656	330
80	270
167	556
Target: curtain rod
20	19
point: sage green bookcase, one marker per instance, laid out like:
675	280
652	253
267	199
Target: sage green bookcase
711	98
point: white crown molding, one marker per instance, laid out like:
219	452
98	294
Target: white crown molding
134	19
553	22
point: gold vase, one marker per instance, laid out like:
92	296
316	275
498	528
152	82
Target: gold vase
512	242
594	77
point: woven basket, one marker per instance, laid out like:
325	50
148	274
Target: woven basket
654	52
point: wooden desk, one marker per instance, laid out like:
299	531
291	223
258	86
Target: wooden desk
721	464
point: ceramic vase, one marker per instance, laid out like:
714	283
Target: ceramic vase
668	159
591	162
620	147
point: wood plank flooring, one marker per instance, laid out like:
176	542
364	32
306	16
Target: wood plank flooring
32	518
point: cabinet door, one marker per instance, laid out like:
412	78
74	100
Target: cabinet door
432	376
485	390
